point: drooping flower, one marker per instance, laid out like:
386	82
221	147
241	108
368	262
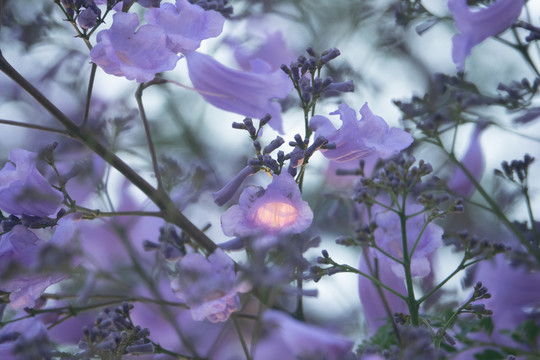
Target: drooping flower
424	240
476	26
374	307
301	340
474	162
355	139
249	93
24	190
278	209
135	54
185	24
208	286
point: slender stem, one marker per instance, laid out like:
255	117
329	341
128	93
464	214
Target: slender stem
411	300
240	337
525	190
347	268
35	127
138	96
89	93
171	212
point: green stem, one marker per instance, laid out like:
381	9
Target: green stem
412	304
240	337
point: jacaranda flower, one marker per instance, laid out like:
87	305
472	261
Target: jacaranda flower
355	139
208	286
476	26
135	54
278	209
249	93
24	190
185	24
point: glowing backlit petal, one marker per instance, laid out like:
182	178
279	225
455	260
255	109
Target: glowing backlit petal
275	215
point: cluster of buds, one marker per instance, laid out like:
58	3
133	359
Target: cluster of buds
516	169
114	334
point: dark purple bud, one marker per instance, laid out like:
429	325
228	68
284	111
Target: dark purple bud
237	125
248	122
327	81
285	69
257	146
311	52
329	55
347	86
281	157
271	163
143	348
317	85
265	120
274	144
299	141
234	244
294	71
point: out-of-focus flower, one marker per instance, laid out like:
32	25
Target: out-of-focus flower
278	209
21	249
186	25
25	339
208	286
23	190
388	237
137	55
375	311
273	50
248	93
474	162
355	139
476	26
302	340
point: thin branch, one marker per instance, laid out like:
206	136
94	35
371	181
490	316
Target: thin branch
35	127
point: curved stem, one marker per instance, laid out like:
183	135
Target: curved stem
35	127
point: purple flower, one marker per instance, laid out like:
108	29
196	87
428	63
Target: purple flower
476	26
303	340
186	25
208	286
227	192
374	308
246	93
474	162
278	209
137	55
23	190
88	17
21	247
388	238
359	138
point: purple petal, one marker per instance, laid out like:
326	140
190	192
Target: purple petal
185	24
273	51
476	26
373	307
474	162
139	55
241	92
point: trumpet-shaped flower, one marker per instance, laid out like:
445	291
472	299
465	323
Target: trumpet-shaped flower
185	24
249	93
135	54
278	209
24	190
208	286
355	139
476	26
